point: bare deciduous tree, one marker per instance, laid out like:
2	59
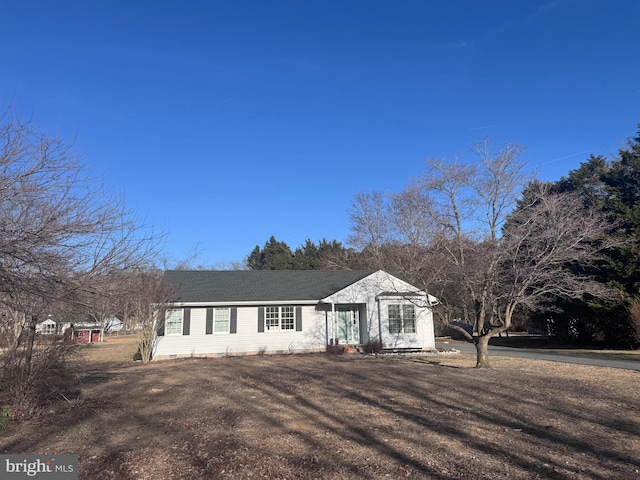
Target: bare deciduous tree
480	262
146	306
370	224
105	298
544	248
59	229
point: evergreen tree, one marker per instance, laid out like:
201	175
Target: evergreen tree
255	260
307	257
326	255
614	188
274	255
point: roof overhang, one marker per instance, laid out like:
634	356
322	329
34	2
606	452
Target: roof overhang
244	303
431	300
401	294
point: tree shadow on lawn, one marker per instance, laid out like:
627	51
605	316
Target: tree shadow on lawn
336	417
508	420
436	363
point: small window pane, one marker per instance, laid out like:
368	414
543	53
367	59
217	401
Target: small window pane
395	321
272	318
221	320
288	322
173	323
409	318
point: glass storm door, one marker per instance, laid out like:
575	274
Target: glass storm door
348	325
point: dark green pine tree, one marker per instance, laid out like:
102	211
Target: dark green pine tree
326	254
255	261
306	257
613	187
274	255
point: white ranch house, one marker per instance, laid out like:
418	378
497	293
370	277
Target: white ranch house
217	313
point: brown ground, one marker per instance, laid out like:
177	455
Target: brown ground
339	417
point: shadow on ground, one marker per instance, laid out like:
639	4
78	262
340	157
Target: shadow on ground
324	416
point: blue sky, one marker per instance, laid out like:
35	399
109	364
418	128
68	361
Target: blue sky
226	122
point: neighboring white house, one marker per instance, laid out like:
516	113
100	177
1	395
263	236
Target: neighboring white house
112	325
47	327
51	326
277	311
82	331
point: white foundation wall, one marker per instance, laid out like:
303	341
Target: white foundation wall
247	340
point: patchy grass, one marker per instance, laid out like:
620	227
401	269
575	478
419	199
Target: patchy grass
116	349
339	417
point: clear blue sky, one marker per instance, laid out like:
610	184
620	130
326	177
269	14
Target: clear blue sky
226	122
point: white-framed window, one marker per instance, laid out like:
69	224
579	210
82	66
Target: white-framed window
48	328
279	318
221	320
402	318
173	322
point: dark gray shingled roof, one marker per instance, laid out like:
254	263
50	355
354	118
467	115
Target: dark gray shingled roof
258	285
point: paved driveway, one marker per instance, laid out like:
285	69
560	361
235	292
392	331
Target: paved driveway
551	356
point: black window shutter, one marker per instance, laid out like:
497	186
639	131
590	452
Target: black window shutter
260	319
161	329
298	319
233	321
209	325
186	321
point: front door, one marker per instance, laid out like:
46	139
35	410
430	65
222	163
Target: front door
348	325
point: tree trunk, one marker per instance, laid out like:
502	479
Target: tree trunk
31	336
482	351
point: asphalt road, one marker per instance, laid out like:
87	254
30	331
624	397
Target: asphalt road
551	356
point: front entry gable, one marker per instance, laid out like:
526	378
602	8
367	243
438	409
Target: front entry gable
381	308
368	288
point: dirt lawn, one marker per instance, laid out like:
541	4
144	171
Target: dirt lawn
339	417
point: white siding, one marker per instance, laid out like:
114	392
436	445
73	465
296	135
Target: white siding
371	295
198	321
371	291
247	340
45	326
424	336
